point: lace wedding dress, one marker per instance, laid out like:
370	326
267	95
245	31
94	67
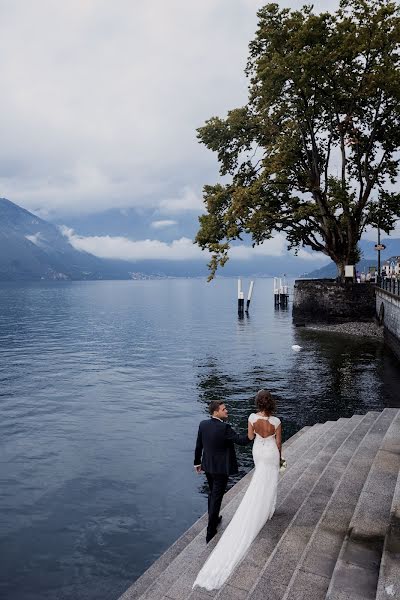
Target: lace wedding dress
257	506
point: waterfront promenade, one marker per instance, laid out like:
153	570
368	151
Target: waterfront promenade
335	533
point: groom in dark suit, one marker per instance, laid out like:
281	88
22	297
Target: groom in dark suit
215	454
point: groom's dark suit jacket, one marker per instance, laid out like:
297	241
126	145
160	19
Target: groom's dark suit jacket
215	449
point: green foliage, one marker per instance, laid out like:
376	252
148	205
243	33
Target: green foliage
313	153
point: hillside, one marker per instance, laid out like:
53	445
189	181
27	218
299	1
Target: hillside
31	248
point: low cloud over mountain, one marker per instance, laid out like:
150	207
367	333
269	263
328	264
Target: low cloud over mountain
32	248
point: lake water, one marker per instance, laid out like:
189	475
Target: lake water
102	388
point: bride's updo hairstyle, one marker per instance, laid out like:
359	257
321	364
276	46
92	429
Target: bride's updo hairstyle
265	402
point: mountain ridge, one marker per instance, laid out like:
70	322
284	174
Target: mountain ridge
34	249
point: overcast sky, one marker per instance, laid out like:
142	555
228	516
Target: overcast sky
100	103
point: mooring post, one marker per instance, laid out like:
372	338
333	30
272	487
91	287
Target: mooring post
240	298
249	295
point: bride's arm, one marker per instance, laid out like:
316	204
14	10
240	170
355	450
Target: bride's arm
250	431
278	437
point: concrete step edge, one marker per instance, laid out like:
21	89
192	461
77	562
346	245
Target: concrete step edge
369	571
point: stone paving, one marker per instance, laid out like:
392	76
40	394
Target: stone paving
335	533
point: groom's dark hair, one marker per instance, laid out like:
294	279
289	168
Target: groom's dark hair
214	405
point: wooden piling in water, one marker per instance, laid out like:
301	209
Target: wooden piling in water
249	295
240	298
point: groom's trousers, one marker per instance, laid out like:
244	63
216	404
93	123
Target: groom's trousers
217	484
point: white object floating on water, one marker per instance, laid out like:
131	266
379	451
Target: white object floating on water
296	347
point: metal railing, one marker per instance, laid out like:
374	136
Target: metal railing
389	284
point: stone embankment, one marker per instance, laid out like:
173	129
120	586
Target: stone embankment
328	301
335	533
370	330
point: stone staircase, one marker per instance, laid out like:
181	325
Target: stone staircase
335	533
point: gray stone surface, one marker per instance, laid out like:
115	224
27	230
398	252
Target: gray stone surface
353	583
326	301
309	586
389	575
325	543
388	307
357	568
369	330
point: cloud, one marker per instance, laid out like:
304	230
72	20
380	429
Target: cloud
188	200
102	100
312	256
126	249
102	106
118	247
162	224
36	239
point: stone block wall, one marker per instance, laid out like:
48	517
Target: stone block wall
388	314
326	301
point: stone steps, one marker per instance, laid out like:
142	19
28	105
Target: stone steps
316	565
335	500
356	571
389	574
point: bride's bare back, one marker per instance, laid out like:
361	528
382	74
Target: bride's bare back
264	428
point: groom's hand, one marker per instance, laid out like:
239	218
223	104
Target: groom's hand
197	468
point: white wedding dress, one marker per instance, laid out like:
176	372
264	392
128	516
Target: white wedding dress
256	507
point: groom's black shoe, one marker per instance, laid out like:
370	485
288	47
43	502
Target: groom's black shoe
210	536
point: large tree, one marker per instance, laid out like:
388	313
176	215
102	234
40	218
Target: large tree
314	151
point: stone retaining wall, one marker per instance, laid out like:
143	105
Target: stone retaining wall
326	301
388	314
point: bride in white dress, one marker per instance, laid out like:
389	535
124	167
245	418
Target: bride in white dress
258	503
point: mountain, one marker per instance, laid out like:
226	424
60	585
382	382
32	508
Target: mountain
367	248
31	248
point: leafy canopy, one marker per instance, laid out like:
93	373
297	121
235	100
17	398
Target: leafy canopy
313	153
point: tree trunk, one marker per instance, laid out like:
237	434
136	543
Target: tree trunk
341	270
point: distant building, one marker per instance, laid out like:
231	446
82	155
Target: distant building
391	266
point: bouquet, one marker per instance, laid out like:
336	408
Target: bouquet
283	465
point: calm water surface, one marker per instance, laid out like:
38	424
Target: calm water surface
102	388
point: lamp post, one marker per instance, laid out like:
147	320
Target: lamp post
379	250
379	247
